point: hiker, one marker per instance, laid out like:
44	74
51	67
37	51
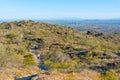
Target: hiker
38	56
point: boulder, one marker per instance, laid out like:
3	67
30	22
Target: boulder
34	78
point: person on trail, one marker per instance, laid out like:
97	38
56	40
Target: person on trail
38	56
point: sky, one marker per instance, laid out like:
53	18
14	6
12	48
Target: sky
53	9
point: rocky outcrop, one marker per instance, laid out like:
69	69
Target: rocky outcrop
94	33
35	78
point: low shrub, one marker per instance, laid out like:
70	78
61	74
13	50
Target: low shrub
29	60
61	65
109	75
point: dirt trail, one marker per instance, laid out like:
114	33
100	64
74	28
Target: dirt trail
40	60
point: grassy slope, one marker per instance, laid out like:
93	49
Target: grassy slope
17	38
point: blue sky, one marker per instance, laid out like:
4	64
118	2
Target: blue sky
41	9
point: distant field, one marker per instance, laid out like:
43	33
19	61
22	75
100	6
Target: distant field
106	26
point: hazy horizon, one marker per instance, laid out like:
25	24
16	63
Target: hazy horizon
57	9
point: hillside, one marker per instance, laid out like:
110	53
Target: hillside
64	49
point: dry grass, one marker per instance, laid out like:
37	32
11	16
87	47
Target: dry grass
11	73
86	74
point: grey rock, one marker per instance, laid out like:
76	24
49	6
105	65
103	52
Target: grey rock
34	78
